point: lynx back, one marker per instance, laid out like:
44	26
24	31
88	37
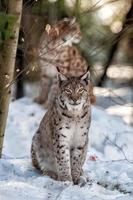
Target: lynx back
54	39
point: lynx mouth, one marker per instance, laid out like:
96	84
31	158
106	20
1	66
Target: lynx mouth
74	104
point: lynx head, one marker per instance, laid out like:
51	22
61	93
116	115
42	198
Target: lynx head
73	91
67	30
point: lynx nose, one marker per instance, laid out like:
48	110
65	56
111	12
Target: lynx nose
75	100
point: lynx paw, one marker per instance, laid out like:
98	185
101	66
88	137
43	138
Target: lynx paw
65	178
81	181
51	174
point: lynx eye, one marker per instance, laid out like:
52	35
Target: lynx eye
68	91
80	90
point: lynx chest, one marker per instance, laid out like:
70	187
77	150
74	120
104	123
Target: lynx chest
75	132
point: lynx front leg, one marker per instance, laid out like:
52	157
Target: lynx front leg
63	166
78	155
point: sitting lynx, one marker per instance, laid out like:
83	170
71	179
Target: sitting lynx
55	50
59	146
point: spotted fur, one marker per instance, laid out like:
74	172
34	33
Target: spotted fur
59	146
56	50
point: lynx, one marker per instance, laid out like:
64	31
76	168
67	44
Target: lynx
56	50
60	144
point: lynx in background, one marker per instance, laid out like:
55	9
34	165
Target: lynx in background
55	50
59	146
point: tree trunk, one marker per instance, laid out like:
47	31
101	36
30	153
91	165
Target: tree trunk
52	12
7	64
20	66
20	81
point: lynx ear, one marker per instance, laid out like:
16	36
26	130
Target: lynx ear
70	21
48	28
86	77
73	20
62	77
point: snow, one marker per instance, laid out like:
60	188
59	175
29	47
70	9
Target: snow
108	165
116	101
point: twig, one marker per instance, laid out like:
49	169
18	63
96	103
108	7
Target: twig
118	147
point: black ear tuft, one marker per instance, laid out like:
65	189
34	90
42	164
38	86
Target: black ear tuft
73	21
86	77
58	69
61	77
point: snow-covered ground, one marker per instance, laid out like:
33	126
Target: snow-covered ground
116	101
109	162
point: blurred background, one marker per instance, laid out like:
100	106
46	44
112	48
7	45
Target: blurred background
107	45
